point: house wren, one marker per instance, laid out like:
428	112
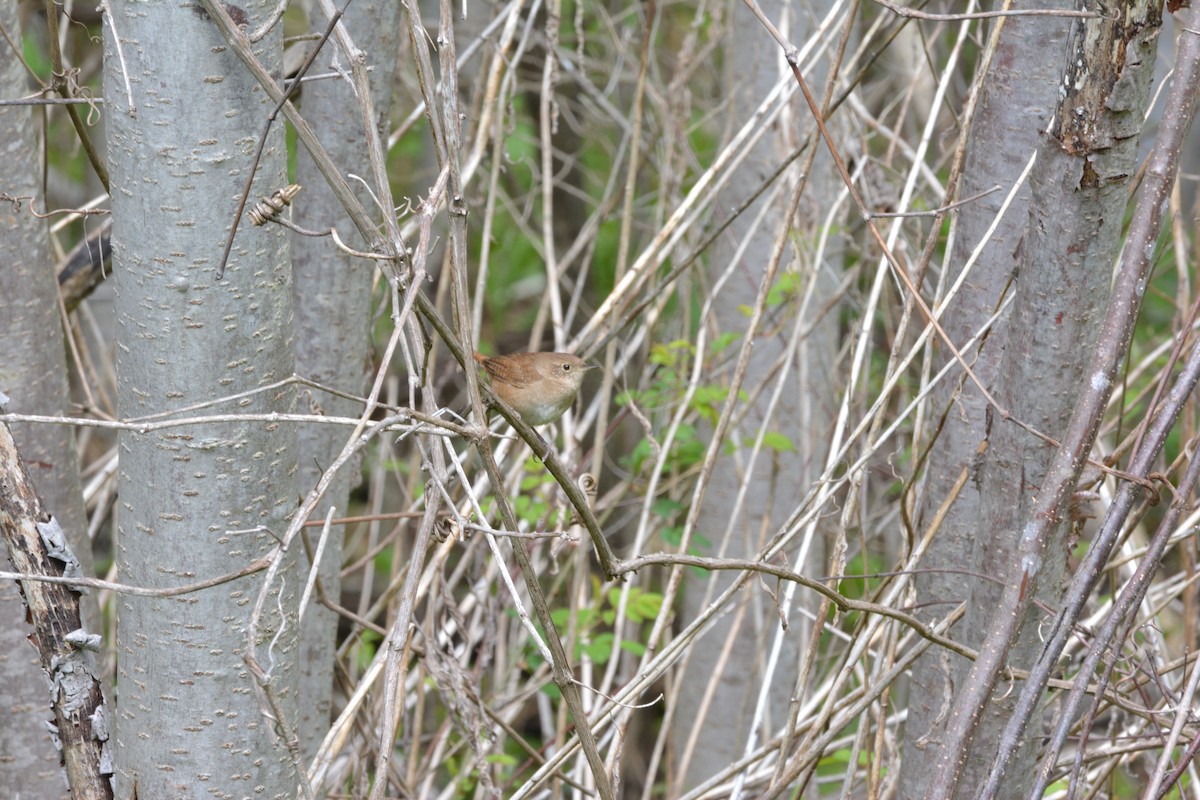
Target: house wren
538	386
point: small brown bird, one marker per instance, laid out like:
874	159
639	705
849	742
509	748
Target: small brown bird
539	386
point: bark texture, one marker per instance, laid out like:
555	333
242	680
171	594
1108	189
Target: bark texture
198	501
1079	193
1015	105
33	373
333	315
1080	190
38	546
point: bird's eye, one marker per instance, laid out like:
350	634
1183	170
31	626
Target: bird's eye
566	367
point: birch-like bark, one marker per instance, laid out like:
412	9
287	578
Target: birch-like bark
184	119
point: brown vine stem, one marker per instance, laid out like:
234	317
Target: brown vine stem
64	85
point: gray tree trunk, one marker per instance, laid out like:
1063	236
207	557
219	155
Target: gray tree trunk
1014	107
333	315
727	670
1079	189
33	373
198	501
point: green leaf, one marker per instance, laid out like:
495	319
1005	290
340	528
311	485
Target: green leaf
668	355
690	450
600	648
708	400
786	286
666	507
723	341
649	604
636	648
778	442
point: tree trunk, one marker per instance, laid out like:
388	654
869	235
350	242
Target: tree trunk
198	501
1014	107
747	663
333	317
33	373
1079	192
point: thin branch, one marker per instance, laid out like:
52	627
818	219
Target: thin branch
913	13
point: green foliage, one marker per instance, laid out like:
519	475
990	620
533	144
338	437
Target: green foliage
667	509
723	342
859	588
504	759
529	509
595	634
530	504
604	256
368	644
514	267
778	442
642	606
36	57
406	160
672	355
686	451
293	149
837	763
785	289
707	401
667	388
383	561
672	534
